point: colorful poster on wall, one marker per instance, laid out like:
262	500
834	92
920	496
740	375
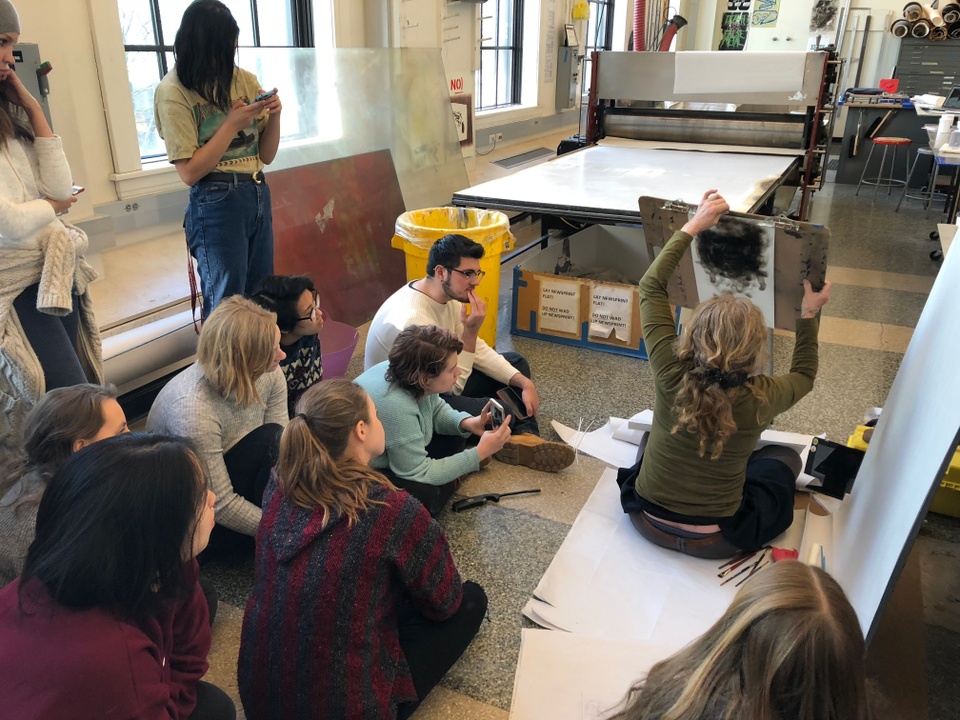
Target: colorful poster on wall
611	312
733	30
765	13
559	306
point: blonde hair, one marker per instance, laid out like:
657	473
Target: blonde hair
723	344
312	471
789	647
236	347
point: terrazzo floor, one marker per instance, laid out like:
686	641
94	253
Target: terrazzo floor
880	266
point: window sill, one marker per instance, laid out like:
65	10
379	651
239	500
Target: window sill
518	113
157	176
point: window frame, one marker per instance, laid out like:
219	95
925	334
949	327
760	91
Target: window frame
516	75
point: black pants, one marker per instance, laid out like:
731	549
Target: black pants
765	511
433	497
480	387
249	464
213	704
431	648
53	339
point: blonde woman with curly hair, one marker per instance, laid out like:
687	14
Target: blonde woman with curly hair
232	403
358	609
789	647
701	486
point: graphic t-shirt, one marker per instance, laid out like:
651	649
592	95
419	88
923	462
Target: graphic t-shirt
302	368
186	122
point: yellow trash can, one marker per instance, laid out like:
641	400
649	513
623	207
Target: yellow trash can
417	231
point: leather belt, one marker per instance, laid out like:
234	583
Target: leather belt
233	178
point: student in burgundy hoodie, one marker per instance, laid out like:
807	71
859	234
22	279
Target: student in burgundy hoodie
358	610
107	620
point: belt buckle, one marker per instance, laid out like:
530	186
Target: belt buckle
256	179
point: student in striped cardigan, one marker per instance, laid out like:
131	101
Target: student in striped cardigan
358	610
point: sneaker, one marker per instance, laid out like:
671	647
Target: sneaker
536	453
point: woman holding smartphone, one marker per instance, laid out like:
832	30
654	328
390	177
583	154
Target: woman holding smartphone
219	134
48	335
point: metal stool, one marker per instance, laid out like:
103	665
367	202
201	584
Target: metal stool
879	180
931	181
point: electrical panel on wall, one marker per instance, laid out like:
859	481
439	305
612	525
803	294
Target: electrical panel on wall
33	74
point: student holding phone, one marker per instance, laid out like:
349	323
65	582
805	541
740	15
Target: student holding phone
426	451
49	337
220	129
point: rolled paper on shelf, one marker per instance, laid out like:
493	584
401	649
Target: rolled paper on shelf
938	33
912	11
900	28
921	28
953	32
951	13
933	15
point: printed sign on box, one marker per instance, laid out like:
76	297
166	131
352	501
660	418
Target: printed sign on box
559	306
611	311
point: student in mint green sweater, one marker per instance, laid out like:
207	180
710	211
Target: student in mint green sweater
426	451
701	487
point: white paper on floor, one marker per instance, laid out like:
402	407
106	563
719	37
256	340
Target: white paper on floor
562	676
602	443
608	581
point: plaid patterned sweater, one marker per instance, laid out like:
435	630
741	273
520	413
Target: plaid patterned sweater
319	635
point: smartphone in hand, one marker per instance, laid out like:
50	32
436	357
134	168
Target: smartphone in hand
77	189
265	95
512	403
497	414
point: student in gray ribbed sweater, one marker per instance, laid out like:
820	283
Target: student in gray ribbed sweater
426	449
232	403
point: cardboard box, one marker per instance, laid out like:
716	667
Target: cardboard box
593	314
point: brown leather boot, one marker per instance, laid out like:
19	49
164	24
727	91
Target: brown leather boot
536	453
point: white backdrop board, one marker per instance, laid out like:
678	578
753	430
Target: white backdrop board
908	455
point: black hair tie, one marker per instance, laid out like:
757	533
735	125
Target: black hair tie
714	376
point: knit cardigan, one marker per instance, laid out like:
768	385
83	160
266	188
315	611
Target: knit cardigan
37	247
320	636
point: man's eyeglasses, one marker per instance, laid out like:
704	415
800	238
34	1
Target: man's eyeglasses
470	274
315	310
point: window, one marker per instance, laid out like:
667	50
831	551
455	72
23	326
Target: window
498	80
149	27
599	34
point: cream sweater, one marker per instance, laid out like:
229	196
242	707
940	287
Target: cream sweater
408	307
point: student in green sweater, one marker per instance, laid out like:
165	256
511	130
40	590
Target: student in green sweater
426	452
701	487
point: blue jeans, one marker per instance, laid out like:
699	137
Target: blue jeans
230	233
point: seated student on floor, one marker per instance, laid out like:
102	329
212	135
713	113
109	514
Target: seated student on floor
789	647
108	619
442	299
358	610
232	404
426	449
64	421
701	487
295	301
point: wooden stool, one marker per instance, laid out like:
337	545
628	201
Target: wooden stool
879	181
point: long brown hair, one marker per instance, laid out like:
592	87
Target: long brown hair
418	354
61	417
723	344
13	122
789	647
236	347
312	471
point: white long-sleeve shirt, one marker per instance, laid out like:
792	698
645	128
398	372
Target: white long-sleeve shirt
408	307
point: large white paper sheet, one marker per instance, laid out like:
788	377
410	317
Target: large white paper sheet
574	677
601	443
712	73
607	581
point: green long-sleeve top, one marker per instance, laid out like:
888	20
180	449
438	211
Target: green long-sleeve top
673	474
409	425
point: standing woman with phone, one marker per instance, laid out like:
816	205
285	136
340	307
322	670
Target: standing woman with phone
219	135
48	334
